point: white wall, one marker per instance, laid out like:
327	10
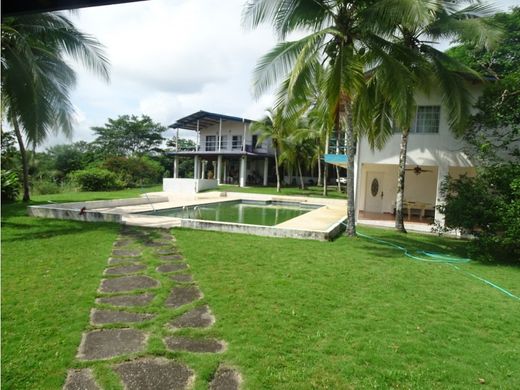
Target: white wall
188	186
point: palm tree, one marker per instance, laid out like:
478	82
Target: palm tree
36	78
272	127
388	100
340	34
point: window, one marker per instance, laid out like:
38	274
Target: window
236	143
427	119
223	142
254	141
211	143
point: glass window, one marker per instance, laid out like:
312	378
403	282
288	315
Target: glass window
427	119
223	142
236	143
211	143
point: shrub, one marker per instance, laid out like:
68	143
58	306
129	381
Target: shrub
135	171
487	207
96	179
44	187
10	185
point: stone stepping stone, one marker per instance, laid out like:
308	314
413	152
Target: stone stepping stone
121	260
125	269
126	253
171	257
180	296
172	267
182	278
156	244
127	283
200	317
82	379
109	343
154	374
194	345
128	300
123	242
169	251
103	317
226	378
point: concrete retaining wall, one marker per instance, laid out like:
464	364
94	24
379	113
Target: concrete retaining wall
188	186
74	214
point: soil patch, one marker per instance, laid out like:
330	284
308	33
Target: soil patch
194	345
199	317
183	295
154	374
171	267
81	380
127	283
128	300
225	378
109	343
102	317
125	269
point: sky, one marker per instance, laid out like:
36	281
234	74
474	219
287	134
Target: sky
169	59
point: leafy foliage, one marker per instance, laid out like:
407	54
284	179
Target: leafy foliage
129	135
134	171
96	179
10	185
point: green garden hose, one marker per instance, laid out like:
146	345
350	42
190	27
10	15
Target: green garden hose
432	257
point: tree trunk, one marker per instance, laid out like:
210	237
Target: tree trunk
276	170
302	186
345	113
338	183
399	200
25	163
325	169
318	183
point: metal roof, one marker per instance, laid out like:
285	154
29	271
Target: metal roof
15	7
205	119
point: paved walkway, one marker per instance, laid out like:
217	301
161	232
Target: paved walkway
129	296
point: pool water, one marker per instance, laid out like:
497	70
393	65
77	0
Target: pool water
247	212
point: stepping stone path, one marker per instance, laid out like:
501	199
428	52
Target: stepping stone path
81	380
194	345
199	317
127	300
125	269
138	250
171	267
226	378
102	317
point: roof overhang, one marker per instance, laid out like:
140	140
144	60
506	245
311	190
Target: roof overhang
204	119
19	7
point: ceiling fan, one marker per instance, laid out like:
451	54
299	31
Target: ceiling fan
418	170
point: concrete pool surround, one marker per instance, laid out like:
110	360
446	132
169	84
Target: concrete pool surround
321	221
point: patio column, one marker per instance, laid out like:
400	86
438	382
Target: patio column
243	171
266	169
442	172
176	167
196	167
225	171
203	169
219	169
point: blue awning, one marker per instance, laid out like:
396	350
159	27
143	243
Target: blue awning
335	159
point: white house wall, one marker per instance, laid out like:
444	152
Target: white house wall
229	129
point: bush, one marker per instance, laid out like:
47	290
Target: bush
10	185
135	171
96	179
487	207
45	187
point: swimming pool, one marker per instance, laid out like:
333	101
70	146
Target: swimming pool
269	213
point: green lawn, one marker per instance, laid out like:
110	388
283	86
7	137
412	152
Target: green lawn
296	314
292	191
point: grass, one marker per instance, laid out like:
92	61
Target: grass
290	191
296	314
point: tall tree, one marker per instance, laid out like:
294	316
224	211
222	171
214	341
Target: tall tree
339	34
129	135
388	99
36	78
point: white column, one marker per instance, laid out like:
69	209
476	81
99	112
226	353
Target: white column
196	167
219	136
176	167
244	137
225	171
177	142
198	135
266	169
203	169
443	171
219	169
243	171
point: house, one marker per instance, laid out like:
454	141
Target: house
226	152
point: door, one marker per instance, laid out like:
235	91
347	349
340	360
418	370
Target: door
374	192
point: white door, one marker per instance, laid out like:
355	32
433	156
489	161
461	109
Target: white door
374	192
